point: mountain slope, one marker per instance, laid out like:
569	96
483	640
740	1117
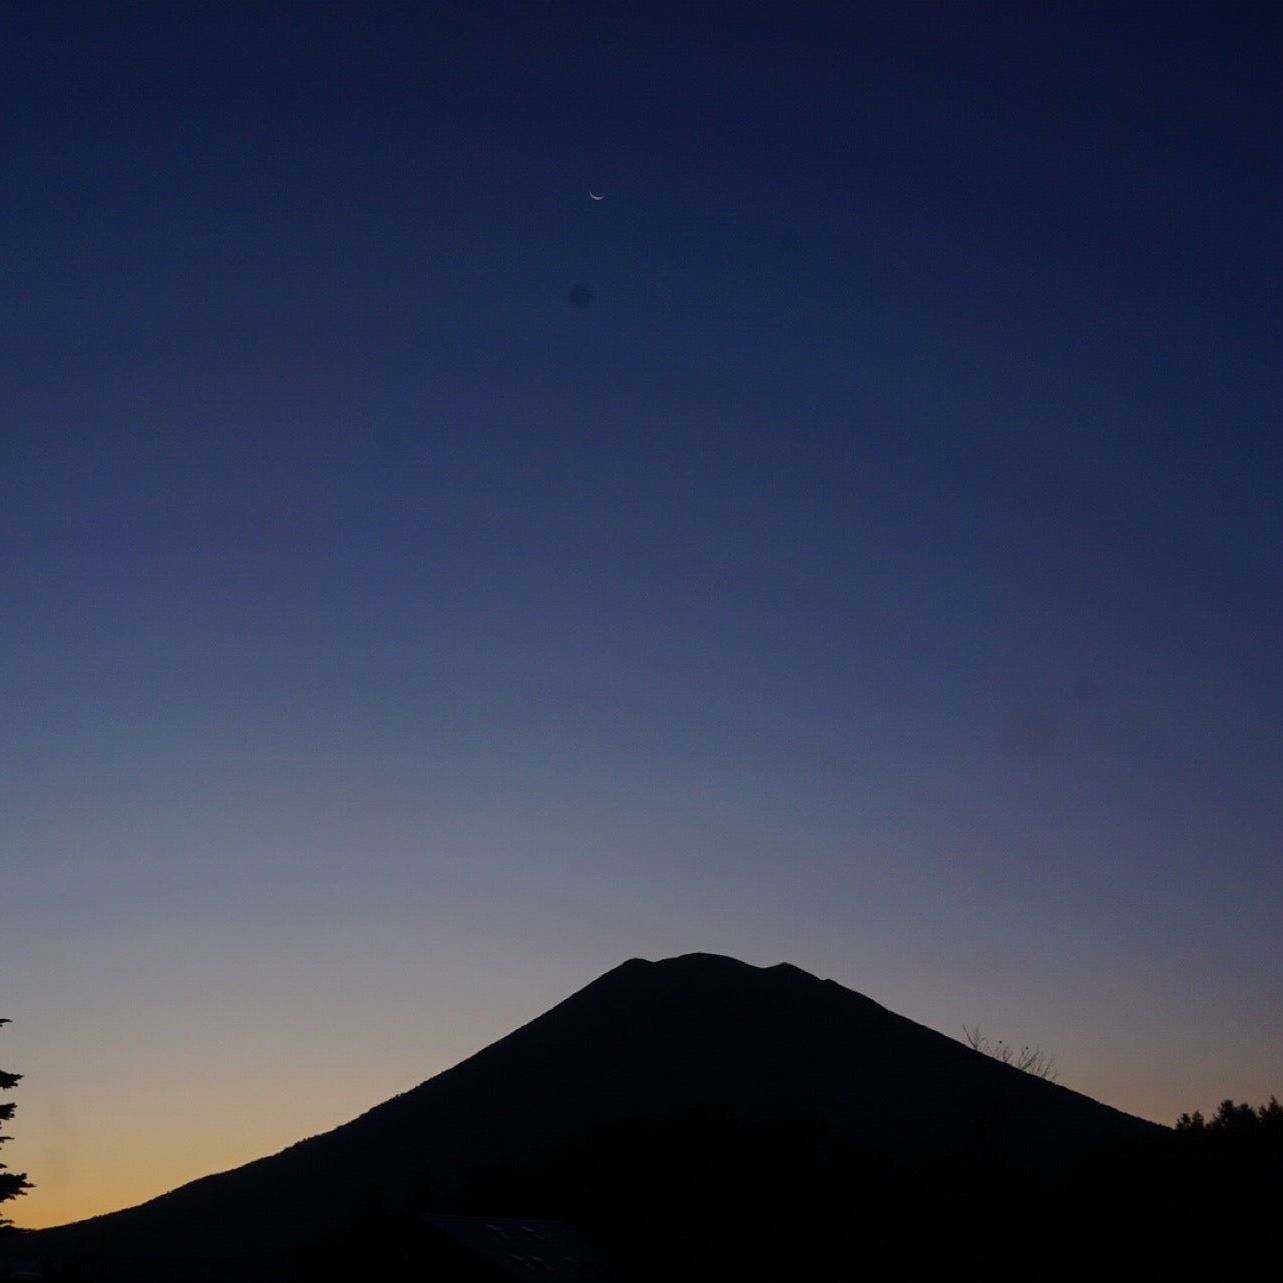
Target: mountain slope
648	1039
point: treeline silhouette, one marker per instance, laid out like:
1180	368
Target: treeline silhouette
1237	1124
1237	1152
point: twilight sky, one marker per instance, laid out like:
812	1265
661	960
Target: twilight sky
854	541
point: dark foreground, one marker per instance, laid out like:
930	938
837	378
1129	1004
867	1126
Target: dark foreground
704	1197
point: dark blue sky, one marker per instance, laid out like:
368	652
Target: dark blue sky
875	564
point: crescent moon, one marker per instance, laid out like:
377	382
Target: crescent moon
595	196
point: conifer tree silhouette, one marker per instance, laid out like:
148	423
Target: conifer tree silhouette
11	1183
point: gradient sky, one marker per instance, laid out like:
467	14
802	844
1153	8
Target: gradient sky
881	571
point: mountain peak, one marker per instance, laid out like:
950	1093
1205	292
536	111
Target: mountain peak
647	1040
701	965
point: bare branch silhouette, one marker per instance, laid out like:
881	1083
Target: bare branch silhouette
1032	1060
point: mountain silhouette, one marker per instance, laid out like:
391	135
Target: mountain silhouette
695	1044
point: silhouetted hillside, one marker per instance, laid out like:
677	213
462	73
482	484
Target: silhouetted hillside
697	1089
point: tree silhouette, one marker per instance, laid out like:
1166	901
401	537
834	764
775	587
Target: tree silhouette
1237	1120
1230	1166
11	1183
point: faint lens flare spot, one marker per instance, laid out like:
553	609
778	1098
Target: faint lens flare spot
1086	691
